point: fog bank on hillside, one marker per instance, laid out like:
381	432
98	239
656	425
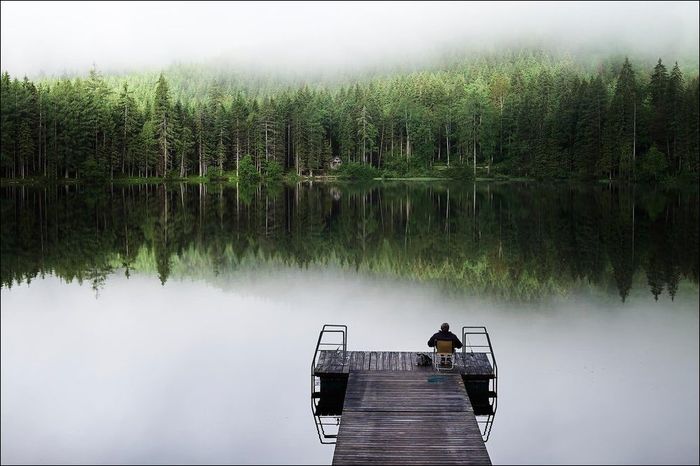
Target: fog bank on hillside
57	37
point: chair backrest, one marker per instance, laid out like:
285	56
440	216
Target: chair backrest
443	346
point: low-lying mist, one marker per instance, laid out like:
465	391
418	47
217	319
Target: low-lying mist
326	39
194	373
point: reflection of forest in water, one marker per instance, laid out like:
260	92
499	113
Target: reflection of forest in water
506	240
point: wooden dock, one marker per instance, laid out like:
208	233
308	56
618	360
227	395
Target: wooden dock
408	418
469	365
387	409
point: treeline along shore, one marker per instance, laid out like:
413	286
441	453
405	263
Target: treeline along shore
525	114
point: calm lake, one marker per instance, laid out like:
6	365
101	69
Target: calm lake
154	324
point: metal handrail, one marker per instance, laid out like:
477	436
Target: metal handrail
488	339
329	328
481	330
326	329
487	425
322	435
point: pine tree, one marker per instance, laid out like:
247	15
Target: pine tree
366	133
659	101
8	117
675	115
588	142
161	117
26	147
692	126
126	114
623	115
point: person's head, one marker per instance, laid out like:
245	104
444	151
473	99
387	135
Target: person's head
445	327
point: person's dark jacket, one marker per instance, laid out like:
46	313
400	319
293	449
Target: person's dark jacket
445	336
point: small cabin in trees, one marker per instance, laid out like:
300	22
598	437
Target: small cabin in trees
336	163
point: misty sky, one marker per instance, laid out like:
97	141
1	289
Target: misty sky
54	37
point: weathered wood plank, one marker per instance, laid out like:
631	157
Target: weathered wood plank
359	361
402	417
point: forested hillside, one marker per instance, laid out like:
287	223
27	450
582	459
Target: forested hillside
526	114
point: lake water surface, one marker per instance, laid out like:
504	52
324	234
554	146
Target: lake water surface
146	324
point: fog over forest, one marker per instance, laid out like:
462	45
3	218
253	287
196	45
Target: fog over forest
589	90
56	38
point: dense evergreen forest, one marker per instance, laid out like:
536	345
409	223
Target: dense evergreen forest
526	115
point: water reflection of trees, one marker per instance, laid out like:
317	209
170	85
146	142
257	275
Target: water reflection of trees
511	241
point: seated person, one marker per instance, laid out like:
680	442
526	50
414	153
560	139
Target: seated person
445	334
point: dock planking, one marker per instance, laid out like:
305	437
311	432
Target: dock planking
468	365
397	416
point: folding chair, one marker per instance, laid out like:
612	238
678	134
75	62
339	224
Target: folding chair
443	355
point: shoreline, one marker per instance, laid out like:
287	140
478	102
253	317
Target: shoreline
34	182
